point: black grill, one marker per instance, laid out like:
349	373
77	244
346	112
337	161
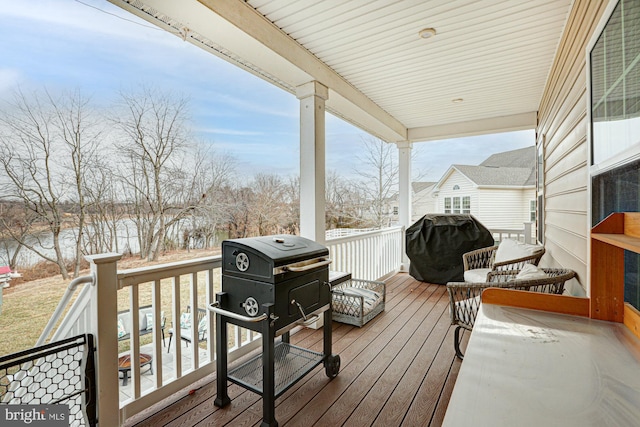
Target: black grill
269	285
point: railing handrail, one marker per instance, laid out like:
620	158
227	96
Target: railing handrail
134	276
64	301
361	236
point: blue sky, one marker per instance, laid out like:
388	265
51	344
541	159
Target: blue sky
67	44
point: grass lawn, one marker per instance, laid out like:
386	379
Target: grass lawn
27	307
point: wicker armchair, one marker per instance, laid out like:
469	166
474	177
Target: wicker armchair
465	297
483	261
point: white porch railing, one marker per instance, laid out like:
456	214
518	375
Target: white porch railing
170	288
522	235
369	256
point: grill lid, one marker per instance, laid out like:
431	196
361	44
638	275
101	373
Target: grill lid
281	249
266	256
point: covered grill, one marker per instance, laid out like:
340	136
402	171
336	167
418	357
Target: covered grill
269	285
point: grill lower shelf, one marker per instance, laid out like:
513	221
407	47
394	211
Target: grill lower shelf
290	364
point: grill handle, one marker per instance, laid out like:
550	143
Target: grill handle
309	266
215	307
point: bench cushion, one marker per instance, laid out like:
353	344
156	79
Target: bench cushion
477	275
530	272
509	249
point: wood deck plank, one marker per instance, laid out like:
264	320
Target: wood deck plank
357	358
390	366
319	387
398	369
426	398
396	406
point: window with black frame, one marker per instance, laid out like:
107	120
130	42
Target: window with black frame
615	126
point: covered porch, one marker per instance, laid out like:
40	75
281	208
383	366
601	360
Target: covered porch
505	66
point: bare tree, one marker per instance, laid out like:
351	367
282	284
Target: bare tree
154	141
345	203
15	220
269	204
378	172
46	146
207	219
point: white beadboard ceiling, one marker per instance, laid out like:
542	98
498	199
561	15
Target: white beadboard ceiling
494	54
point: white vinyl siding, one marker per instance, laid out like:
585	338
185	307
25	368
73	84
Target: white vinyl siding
562	118
465	189
504	208
493	207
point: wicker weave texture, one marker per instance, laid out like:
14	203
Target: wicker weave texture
354	309
465	297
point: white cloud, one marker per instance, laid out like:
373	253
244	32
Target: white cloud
9	79
235	132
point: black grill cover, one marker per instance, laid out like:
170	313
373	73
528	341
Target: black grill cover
436	242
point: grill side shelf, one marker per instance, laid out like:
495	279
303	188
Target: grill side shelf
291	363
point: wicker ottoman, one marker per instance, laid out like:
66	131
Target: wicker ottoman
357	301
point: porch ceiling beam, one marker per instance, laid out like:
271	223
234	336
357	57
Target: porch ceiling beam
245	18
491	125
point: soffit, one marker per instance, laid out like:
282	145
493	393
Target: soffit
493	54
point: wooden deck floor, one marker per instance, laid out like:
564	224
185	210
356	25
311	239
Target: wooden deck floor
398	370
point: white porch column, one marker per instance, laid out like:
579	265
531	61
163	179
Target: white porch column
312	96
404	195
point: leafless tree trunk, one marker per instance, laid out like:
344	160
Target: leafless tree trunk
154	141
378	171
15	220
78	130
45	149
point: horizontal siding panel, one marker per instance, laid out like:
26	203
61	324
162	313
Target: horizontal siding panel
572	222
563	121
557	257
570	181
568	245
574	157
569	202
503	208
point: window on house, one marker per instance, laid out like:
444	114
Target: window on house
615	92
456	187
532	210
466	205
395	210
447	205
456	205
614	73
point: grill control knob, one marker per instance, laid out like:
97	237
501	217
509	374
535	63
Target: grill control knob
251	306
242	261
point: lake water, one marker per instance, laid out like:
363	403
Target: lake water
127	241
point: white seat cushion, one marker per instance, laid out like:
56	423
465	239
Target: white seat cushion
477	275
510	249
531	272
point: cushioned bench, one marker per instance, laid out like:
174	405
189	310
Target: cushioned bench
145	321
185	326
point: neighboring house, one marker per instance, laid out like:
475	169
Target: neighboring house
500	192
423	200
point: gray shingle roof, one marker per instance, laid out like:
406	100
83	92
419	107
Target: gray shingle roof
521	158
488	175
421	185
